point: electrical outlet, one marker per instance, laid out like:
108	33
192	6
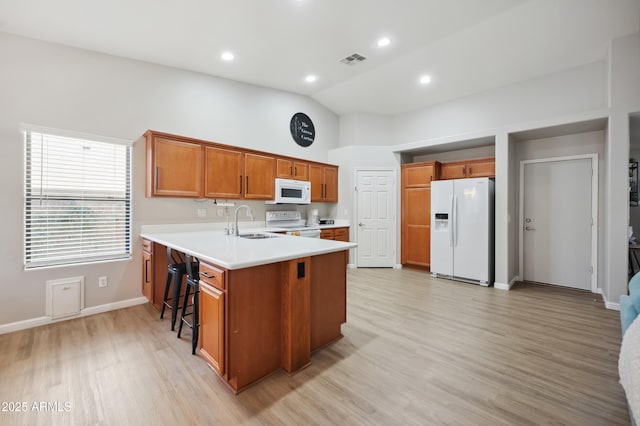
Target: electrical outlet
202	212
220	212
102	282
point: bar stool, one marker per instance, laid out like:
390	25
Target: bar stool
175	272
191	284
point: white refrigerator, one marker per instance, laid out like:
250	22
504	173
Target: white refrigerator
462	224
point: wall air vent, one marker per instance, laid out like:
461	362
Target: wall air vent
353	59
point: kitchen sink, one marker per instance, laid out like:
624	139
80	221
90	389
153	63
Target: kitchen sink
258	236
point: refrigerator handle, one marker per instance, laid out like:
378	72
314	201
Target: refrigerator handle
451	221
454	224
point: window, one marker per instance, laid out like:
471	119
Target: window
77	200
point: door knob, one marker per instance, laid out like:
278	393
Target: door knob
529	228
361	224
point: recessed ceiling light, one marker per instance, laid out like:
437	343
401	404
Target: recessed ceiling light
425	79
227	56
310	78
384	41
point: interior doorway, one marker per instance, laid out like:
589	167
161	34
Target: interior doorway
376	218
558	221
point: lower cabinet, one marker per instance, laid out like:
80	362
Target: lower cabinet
147	269
338	234
212	317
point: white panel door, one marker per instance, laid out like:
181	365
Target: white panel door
376	228
442	227
557	222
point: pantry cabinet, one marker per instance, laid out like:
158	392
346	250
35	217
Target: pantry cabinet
415	219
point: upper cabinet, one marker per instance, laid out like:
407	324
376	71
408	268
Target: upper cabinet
481	167
259	177
174	167
178	166
224	172
324	183
291	169
419	174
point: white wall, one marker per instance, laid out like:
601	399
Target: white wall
66	88
366	129
556	95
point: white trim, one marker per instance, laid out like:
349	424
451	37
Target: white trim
396	186
37	322
594	212
351	266
26	127
502	286
397	266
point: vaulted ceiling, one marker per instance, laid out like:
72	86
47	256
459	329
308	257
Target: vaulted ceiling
465	46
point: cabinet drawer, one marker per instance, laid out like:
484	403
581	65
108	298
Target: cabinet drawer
327	234
147	246
212	276
341	234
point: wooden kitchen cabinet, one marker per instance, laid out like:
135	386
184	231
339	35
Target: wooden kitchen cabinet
259	177
338	234
224	172
212	317
324	183
290	169
174	167
415	236
147	269
481	167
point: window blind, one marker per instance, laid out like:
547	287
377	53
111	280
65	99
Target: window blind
77	200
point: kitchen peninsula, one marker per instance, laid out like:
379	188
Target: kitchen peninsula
266	302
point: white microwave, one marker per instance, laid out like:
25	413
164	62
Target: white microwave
289	191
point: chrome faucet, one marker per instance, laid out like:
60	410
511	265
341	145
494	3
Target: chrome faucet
235	214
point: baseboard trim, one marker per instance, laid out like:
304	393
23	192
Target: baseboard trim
610	305
397	266
37	322
351	266
502	286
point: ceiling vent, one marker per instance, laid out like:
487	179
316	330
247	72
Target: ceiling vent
353	59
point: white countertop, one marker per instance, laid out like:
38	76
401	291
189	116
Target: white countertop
231	252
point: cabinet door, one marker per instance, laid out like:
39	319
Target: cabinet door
316	176
300	170
416	226
455	170
212	327
331	184
284	168
417	175
223	173
147	275
327	234
259	177
289	169
483	168
341	234
176	168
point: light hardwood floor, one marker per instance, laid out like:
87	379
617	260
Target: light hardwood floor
416	350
